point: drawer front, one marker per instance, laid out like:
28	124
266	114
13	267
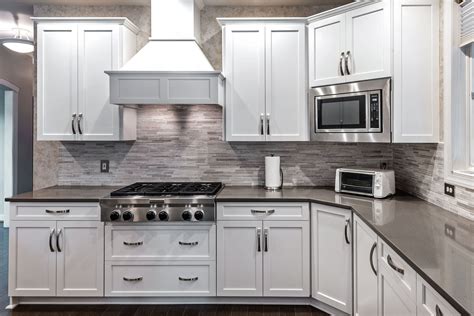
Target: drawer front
145	278
430	303
181	242
263	211
399	269
54	211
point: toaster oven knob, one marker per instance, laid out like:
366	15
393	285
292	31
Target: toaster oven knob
187	215
115	215
199	215
127	216
163	216
151	215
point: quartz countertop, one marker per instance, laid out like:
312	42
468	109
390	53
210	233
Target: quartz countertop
413	227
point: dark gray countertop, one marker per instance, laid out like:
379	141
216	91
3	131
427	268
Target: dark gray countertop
413	227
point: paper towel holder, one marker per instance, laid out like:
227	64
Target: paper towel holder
278	188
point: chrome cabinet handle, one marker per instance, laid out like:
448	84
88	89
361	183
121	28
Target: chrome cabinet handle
79	120
57	211
439	312
137	243
57	240
393	266
259	236
188	279
268	123
371	257
267	212
348	222
73	122
265	233
51	247
261	124
132	279
192	243
348	55
341	68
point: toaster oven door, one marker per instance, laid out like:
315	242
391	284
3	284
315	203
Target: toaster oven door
357	183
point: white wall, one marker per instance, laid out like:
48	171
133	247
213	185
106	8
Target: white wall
2	150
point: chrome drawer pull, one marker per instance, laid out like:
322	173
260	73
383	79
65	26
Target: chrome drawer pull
188	279
138	243
371	257
57	240
265	234
439	312
267	212
393	266
57	212
132	279
51	247
348	222
72	123
79	119
259	236
348	55
192	243
341	68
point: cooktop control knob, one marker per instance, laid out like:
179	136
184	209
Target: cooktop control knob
115	215
127	216
163	216
199	215
151	215
187	215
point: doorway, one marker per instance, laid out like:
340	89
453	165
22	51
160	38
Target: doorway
8	146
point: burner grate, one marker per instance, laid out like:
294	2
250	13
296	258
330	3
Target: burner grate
169	188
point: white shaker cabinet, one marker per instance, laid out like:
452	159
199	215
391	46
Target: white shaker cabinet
332	256
73	90
365	269
416	71
351	46
264	63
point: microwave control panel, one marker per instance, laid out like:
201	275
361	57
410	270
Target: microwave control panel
375	107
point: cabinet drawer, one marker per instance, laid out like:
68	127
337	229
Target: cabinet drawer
262	211
145	278
164	242
399	269
429	302
53	211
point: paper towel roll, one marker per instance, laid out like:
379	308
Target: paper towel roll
273	173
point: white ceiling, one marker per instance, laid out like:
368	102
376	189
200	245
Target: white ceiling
206	2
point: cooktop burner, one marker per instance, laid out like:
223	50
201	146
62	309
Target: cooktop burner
169	188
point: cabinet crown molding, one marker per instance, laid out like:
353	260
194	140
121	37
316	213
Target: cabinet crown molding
339	10
120	20
225	21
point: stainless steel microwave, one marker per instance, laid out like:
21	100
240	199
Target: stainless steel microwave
352	112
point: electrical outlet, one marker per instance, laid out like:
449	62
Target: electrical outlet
383	165
449	189
104	166
450	231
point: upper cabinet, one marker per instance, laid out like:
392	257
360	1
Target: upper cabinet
264	62
72	88
351	46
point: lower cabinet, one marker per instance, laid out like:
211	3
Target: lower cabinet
365	269
263	258
429	302
332	256
56	258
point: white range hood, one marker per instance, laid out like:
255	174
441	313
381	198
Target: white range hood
171	68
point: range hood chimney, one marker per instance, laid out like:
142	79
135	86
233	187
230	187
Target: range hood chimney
171	68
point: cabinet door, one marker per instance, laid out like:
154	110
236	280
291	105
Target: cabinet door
57	81
331	253
244	68
286	258
32	258
365	269
393	300
416	71
98	51
368	38
285	82
239	258
80	249
326	47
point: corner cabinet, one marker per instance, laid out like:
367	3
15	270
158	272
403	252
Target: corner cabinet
72	88
264	62
264	253
332	256
52	253
351	46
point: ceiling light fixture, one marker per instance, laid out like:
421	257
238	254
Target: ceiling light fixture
19	42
